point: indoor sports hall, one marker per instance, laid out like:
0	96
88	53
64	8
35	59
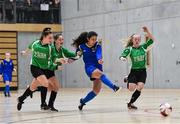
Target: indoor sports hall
90	61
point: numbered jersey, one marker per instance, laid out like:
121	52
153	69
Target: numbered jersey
91	55
7	67
138	55
42	55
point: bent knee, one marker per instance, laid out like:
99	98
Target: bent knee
132	87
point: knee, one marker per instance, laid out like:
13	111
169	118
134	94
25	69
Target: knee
32	88
56	89
46	84
97	74
100	74
97	91
140	87
132	88
7	83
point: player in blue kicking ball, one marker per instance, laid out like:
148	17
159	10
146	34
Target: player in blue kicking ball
88	46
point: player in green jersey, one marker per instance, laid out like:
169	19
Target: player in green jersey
42	67
60	56
138	55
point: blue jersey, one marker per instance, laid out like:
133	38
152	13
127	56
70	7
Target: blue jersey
7	67
91	55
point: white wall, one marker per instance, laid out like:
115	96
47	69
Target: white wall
113	21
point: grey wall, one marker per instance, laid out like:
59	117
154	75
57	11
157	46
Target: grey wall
24	74
113	21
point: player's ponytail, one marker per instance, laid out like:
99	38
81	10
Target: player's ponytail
46	31
83	38
128	41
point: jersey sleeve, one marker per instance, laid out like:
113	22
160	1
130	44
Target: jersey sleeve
30	45
79	51
99	52
68	53
12	65
148	43
125	52
2	66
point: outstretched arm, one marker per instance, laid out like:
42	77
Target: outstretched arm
99	54
26	52
149	39
148	33
124	54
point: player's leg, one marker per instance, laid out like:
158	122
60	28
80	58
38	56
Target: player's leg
98	74
44	83
92	94
55	87
6	82
139	77
7	88
27	93
41	81
135	95
0	76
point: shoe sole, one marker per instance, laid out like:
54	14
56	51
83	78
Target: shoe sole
120	88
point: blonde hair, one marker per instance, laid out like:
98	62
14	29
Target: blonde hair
128	41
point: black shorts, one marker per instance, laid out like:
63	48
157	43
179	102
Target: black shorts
92	79
137	75
36	72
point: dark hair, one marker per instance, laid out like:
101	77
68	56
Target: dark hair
46	32
56	36
82	38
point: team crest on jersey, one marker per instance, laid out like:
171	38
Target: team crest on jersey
139	58
40	55
93	49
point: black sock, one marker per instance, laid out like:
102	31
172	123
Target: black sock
27	93
127	85
52	99
135	96
39	88
43	95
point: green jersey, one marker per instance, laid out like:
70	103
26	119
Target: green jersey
138	55
42	55
61	53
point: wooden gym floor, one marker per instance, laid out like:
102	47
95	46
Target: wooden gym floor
107	107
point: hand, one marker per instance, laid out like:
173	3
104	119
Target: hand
145	29
70	61
100	61
100	41
14	70
61	60
60	68
23	53
79	53
123	59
